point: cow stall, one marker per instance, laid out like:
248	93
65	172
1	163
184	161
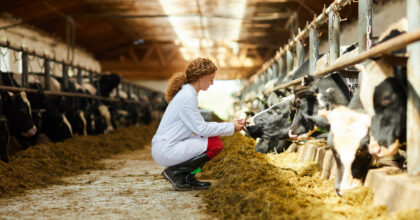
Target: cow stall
286	70
330	101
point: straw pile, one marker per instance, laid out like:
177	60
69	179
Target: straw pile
251	185
44	164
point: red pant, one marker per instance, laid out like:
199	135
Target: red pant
214	146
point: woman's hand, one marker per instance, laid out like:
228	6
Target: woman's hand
239	124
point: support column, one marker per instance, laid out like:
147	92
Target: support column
47	74
413	101
313	47
25	73
333	35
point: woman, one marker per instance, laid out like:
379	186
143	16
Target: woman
184	141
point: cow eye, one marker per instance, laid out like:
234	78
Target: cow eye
298	101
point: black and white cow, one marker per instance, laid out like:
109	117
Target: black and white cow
270	127
314	94
17	110
374	123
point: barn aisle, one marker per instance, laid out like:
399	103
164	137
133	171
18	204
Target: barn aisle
129	187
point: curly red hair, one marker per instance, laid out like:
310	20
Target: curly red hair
197	68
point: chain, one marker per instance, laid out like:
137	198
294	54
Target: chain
3	57
368	32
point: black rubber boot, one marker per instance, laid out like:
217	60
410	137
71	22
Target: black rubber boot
179	174
190	179
177	179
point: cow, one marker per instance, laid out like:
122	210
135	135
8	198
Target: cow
17	110
373	124
314	94
4	139
272	123
348	139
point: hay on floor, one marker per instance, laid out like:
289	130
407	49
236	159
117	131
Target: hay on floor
251	185
45	164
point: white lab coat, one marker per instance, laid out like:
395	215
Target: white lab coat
182	132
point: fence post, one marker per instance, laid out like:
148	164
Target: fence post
365	24
47	74
289	60
79	76
300	53
65	75
25	61
282	65
313	47
413	102
128	90
333	35
91	77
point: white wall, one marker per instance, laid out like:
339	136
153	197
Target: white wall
384	14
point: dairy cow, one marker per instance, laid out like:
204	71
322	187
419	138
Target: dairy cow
374	122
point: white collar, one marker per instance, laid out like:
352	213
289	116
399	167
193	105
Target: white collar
190	87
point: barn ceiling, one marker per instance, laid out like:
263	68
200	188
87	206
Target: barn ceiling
151	39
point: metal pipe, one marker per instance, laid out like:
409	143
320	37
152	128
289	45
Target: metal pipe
59	93
333	36
47	74
300	53
289	61
91	77
65	76
282	65
365	24
79	76
385	47
32	53
413	101
320	19
25	61
313	48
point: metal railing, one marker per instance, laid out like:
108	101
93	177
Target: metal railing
127	87
284	60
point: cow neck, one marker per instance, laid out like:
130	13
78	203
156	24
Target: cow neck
342	86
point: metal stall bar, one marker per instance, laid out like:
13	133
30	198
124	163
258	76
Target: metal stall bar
313	47
79	76
282	65
59	93
25	73
47	74
65	76
413	101
333	35
32	53
289	61
365	24
300	53
385	47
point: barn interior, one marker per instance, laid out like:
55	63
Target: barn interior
146	42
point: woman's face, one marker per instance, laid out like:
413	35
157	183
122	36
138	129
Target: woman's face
206	81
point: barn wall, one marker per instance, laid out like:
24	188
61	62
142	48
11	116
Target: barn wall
384	14
42	43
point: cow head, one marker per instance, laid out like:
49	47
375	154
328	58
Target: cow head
389	122
272	123
348	139
17	109
316	93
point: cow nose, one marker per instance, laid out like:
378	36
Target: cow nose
31	132
292	136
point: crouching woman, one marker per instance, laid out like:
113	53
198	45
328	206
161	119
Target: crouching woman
184	141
